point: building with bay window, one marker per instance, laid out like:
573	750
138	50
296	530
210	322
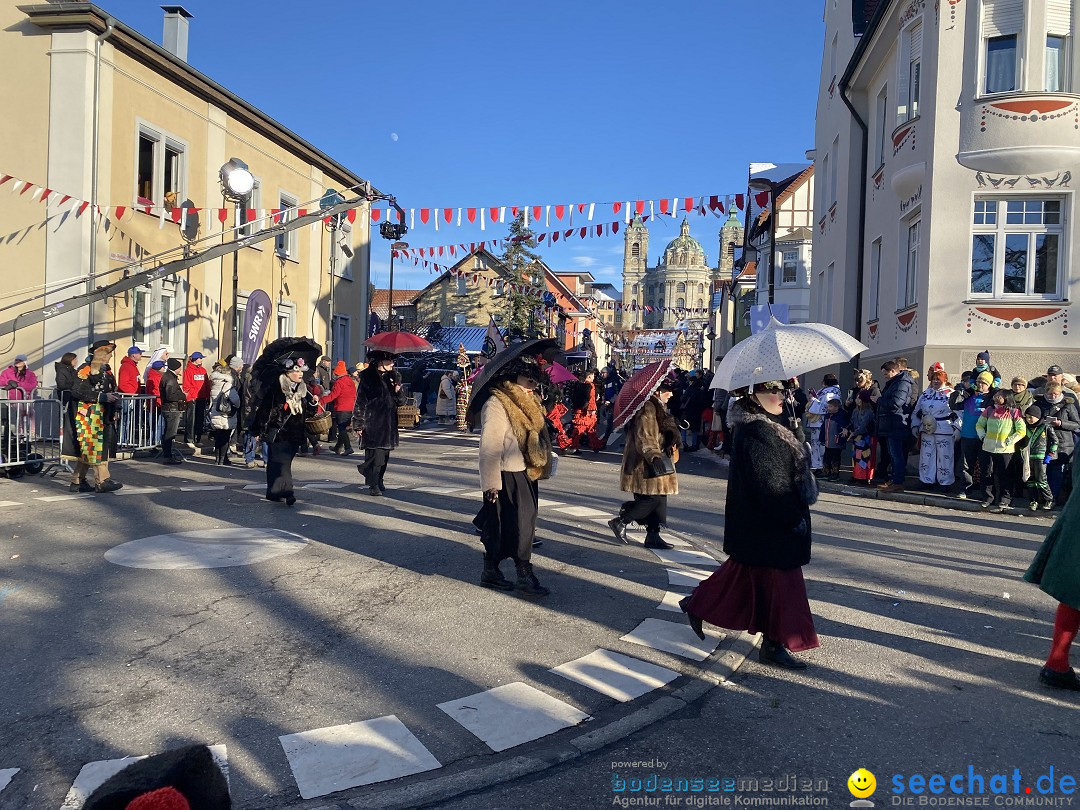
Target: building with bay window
953	130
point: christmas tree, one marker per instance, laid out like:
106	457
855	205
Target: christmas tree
520	297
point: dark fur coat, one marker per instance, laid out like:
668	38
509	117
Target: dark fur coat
375	412
770	489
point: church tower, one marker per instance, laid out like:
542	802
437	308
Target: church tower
731	239
635	265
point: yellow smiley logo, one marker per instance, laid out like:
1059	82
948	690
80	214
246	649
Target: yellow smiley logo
861	783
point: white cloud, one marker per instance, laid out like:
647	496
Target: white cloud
585	261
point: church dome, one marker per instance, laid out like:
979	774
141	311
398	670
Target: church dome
684	250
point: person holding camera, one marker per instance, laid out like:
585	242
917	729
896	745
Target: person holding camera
651	449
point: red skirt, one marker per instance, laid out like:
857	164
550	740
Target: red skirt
758	600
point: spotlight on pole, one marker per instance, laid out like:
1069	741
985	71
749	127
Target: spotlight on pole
236	180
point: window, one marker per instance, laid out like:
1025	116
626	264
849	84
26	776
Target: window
341	338
635	250
910	79
1017	247
249	213
635	290
680	287
909	267
462	286
875	278
459	319
1056	65
478	264
1001	64
825	175
140	300
159	168
835	152
285	243
832	57
285	312
790	267
680	303
830	276
166	318
884	126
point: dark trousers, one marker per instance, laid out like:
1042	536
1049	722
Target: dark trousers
168	434
649	511
1001	468
279	482
1060	483
195	423
508	526
1037	488
975	471
375	461
831	462
341	424
221	443
897	459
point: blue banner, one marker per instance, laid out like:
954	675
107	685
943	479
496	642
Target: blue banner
256	321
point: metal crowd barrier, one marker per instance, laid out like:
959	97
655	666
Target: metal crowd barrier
31	432
139	426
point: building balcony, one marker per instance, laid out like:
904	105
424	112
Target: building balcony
1021	134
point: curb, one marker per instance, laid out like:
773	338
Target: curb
727	659
923	499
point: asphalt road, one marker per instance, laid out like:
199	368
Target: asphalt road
931	642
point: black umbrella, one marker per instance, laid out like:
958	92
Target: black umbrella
265	371
547	348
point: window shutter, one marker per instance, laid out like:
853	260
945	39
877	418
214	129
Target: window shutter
915	44
1003	17
1059	17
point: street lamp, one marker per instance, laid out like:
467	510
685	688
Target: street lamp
237	183
393	231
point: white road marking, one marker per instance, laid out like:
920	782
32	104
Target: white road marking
671	602
512	714
94	774
685	579
439	490
203	489
693	559
206	548
56	498
544	502
616	675
129	490
326	760
580	511
677	639
325	485
255	486
5	776
10	503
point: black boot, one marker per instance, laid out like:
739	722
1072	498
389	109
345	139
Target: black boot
695	621
492	577
654	540
618	528
773	652
527	582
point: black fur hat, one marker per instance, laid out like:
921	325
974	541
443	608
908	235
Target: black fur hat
184	777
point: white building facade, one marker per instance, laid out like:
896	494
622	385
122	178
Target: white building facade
948	135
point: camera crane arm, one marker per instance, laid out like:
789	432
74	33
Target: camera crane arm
40	314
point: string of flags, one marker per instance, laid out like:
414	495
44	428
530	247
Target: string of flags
565	213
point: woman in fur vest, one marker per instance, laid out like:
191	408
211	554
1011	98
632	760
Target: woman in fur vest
652	432
760	587
280	421
375	417
515	453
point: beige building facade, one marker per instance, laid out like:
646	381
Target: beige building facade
163	132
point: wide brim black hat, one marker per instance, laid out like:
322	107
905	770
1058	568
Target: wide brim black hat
191	772
100	344
503	365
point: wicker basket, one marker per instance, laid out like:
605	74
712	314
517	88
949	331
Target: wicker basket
407	416
320	423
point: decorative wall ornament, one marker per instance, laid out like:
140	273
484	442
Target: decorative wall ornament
906	321
1032	110
914	9
1060	179
1013	317
901	137
872	330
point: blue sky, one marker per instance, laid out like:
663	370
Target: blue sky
486	103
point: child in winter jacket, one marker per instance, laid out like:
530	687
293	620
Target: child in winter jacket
1000	427
833	438
1040	451
863	432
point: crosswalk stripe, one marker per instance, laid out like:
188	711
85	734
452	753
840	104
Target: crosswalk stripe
580	511
677	639
688	557
618	676
325	485
215	488
137	491
512	714
6	775
439	490
685	579
671	602
56	498
94	774
10	503
326	760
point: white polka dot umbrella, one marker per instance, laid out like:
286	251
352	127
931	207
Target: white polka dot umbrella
781	351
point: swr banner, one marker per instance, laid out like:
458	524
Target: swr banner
256	320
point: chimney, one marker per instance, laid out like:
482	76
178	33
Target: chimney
174	38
